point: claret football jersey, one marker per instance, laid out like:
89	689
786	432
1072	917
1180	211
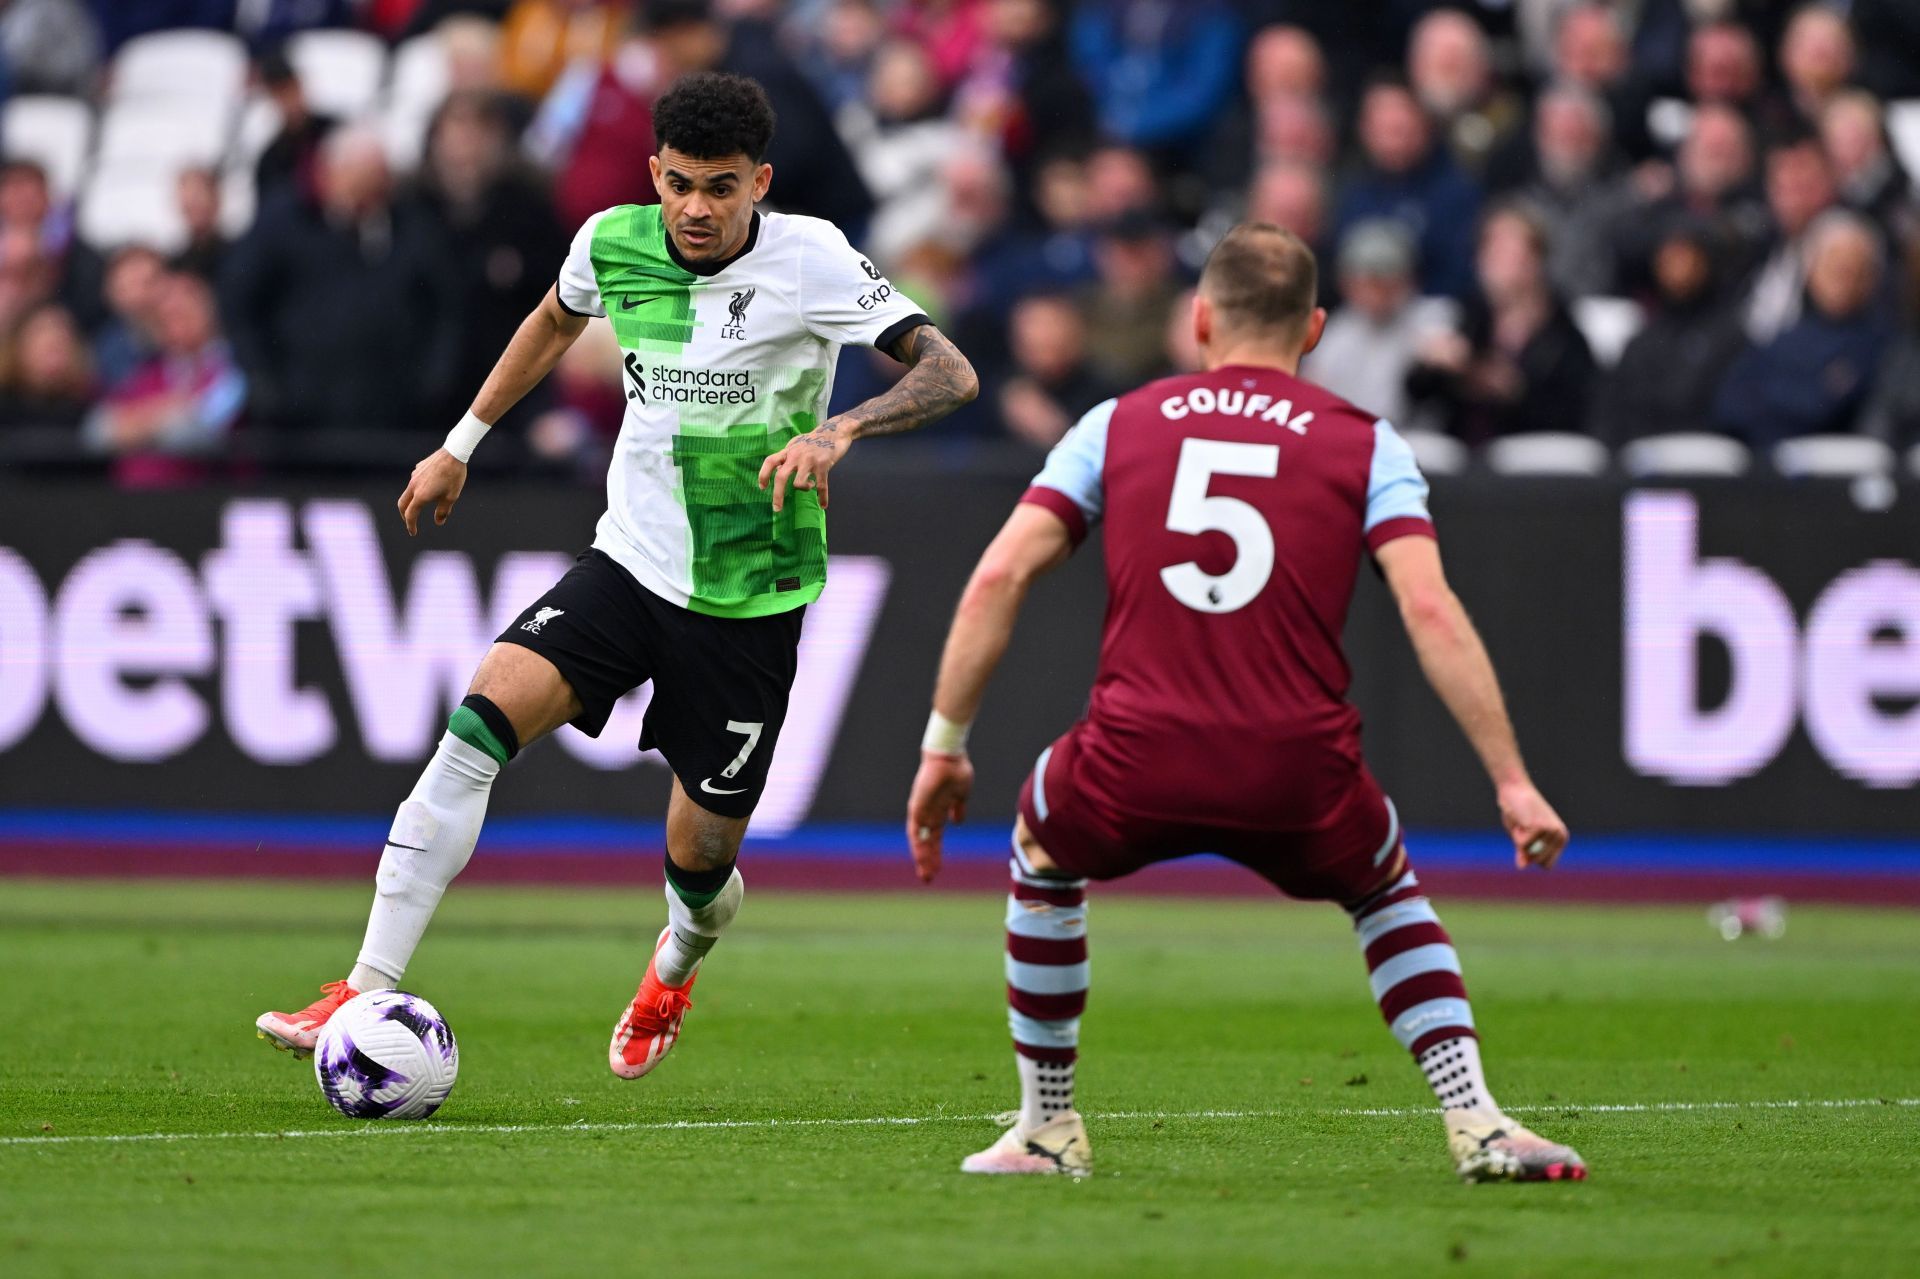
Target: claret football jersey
722	364
1237	506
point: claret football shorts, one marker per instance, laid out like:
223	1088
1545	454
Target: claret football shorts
720	684
1347	856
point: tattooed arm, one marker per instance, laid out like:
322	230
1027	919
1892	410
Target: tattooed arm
938	380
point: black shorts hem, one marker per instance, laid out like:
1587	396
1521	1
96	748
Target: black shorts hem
593	717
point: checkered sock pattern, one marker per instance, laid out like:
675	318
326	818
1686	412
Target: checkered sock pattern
1412	967
1047	978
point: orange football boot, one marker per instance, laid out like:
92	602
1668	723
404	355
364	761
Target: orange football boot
650	1027
298	1032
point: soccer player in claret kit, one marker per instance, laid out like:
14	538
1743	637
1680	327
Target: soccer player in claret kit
1237	504
713	542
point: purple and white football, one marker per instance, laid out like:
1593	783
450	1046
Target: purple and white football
386	1055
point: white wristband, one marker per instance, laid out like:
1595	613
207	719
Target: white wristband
944	737
462	438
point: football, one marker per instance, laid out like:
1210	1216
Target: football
386	1055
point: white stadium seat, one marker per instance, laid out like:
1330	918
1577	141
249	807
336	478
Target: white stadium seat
1608	324
160	136
405	136
1547	453
204	65
341	72
1833	457
53	132
1903	126
131	208
259	125
1436	452
421	74
1688	453
238	201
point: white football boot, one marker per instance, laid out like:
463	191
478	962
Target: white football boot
1059	1145
1494	1148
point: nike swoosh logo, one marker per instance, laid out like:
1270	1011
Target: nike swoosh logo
706	784
627	304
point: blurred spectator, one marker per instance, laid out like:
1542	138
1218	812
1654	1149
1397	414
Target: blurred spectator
1671	370
594	132
1120	181
1369	344
1651	36
901	139
815	173
839	50
198	191
126	339
1869	177
1799	189
289	158
1518	362
1404	175
540	38
1816	59
1590	52
1158	71
342	307
46	379
1126	308
40	257
949	31
1022	90
1814	377
1292	196
1713	184
1575	191
500	231
1451	71
177	408
1052	381
49	46
1723	66
1286	77
1888	35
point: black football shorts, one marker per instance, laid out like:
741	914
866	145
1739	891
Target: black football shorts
720	684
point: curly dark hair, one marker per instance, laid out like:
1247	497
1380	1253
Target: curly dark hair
713	114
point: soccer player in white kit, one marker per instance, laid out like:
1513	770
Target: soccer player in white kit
714	539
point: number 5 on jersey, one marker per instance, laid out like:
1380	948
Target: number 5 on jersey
1193	510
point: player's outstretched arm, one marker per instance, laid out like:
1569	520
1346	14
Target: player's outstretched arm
1457	665
537	345
938	380
1033	541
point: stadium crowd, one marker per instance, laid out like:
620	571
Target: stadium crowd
1604	220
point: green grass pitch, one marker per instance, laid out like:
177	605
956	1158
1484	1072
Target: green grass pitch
1249	1113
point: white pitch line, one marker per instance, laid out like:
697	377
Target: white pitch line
909	1121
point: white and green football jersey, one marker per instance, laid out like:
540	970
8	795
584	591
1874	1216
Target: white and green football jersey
723	365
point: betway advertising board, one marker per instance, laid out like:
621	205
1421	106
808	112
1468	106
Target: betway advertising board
1725	659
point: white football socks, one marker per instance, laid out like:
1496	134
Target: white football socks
429	843
1452	1068
694	931
1046	1090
